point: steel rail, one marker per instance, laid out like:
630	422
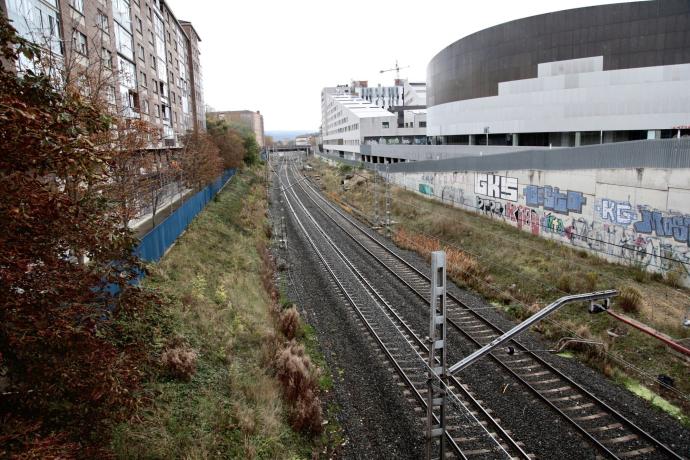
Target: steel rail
420	343
421	400
472	400
576	386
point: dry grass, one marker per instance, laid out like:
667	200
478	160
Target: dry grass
299	379
629	300
219	280
180	362
289	322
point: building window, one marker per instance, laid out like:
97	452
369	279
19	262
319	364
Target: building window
142	80
79	42
385	124
422	124
107	58
102	22
77	5
153	61
157	110
145	107
155	86
142	53
139	25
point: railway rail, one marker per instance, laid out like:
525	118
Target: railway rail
471	432
609	431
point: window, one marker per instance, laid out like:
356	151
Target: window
138	24
133	101
142	80
153	61
157	110
107	58
385	124
422	124
155	86
79	42
172	96
142	53
102	22
145	107
77	5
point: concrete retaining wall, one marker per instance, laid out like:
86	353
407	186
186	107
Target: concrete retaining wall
637	216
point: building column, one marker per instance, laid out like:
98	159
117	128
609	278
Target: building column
578	139
516	139
472	140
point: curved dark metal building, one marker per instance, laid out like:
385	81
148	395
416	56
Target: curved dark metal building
553	63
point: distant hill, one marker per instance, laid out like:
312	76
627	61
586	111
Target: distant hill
287	135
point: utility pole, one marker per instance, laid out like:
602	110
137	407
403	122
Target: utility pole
375	196
436	382
388	203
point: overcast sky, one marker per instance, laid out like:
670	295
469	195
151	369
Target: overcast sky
275	56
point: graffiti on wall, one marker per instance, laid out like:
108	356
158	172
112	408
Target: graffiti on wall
454	194
553	224
492	207
617	229
616	212
523	217
675	226
494	186
552	199
426	189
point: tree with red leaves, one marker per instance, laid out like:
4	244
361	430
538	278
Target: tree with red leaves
64	373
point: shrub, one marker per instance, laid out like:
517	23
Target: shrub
289	322
630	299
565	283
180	362
307	415
675	274
299	379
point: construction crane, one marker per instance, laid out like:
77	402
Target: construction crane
396	68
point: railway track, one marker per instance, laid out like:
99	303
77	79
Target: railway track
610	432
471	431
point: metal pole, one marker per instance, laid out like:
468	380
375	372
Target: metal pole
588	297
376	197
388	203
436	394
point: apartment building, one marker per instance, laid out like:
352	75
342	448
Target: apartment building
253	120
355	117
152	56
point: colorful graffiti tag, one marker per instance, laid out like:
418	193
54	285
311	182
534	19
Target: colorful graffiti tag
616	212
493	186
552	199
426	189
523	216
654	222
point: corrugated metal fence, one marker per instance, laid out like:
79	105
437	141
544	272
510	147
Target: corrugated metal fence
156	242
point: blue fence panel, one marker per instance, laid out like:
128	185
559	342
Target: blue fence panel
154	244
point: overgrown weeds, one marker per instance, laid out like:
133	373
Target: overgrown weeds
629	300
218	280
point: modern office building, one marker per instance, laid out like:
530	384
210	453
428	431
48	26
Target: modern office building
152	59
583	76
252	120
353	116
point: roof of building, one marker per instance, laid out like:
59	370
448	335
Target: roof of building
359	107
